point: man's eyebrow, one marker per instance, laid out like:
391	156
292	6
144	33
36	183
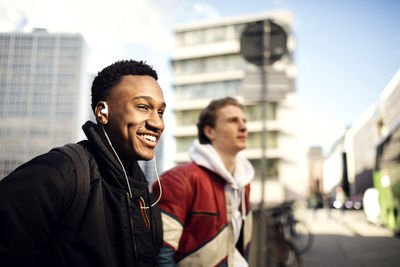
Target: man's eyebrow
236	117
148	98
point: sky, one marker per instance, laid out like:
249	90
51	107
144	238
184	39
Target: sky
346	51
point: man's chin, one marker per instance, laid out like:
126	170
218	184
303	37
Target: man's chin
145	156
242	146
139	156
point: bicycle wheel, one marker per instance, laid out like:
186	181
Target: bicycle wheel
302	237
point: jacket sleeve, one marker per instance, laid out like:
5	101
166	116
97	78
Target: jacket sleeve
166	257
32	199
175	204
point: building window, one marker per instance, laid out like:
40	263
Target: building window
202	36
209	65
208	90
197	37
218	34
187	117
254	112
272	169
184	143
254	140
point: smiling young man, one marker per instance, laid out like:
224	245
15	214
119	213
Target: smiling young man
47	218
205	204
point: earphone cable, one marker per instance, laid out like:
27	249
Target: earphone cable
159	185
126	176
123	168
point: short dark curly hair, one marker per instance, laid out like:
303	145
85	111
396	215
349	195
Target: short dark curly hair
208	116
110	76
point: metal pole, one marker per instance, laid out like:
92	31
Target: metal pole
263	162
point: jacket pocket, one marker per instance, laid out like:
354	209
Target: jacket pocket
203	213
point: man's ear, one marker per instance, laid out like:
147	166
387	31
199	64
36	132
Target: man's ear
209	132
101	112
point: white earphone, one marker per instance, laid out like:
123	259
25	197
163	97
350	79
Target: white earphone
105	109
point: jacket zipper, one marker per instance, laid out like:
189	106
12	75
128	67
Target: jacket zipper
131	221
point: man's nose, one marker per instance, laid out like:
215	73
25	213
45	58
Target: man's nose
156	122
243	126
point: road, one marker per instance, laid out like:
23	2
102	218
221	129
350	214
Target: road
348	240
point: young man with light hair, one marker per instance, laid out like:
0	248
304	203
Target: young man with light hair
205	204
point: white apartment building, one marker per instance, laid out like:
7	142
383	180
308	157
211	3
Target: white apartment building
43	87
207	65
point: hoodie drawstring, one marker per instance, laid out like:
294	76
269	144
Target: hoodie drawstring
243	203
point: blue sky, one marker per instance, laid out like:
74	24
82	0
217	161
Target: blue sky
346	51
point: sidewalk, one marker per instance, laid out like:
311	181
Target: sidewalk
347	240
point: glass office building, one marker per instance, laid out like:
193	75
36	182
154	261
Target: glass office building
43	90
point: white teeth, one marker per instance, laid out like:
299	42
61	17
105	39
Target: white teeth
149	137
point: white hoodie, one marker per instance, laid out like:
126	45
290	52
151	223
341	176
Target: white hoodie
206	156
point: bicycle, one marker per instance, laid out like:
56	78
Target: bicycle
295	230
280	252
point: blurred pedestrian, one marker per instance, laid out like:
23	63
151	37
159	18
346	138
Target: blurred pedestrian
340	199
88	204
205	204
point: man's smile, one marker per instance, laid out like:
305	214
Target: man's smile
148	138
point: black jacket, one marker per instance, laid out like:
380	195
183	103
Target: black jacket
112	231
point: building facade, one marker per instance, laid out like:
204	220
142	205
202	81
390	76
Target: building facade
359	144
207	64
43	86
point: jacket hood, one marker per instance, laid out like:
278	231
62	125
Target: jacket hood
205	155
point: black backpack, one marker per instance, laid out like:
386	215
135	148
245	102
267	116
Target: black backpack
80	160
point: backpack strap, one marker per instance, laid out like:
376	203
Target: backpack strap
80	160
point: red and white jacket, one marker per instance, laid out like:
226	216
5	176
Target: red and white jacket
206	211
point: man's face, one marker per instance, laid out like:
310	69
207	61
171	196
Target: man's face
135	122
230	132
